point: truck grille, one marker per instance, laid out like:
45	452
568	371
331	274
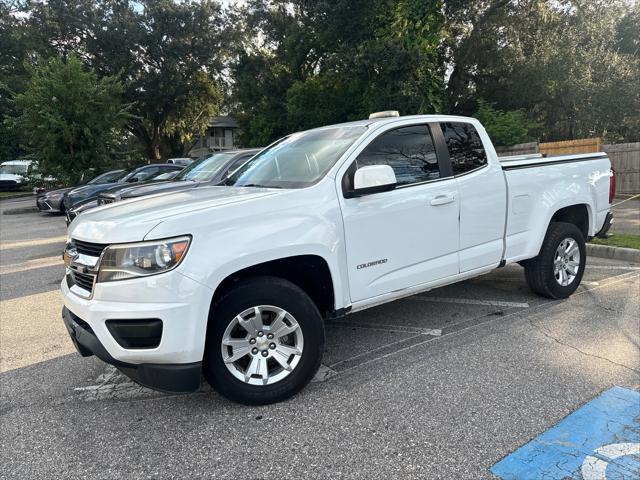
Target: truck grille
83	280
90	249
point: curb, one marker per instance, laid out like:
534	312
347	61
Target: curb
17	211
615	253
17	195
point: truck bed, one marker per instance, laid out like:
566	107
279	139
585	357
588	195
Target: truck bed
538	185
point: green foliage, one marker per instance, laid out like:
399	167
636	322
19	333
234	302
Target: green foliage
572	65
334	61
168	53
13	50
70	118
506	128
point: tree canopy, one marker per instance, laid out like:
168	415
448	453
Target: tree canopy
332	61
167	53
70	118
545	69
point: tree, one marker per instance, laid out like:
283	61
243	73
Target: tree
168	54
70	119
506	128
571	65
334	61
13	50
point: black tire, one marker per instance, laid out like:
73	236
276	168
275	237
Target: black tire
247	294
539	271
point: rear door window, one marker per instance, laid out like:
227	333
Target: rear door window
466	150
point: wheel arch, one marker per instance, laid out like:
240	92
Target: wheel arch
578	214
310	272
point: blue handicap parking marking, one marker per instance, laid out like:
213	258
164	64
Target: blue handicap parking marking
599	441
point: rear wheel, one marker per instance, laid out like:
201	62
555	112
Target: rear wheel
557	270
265	341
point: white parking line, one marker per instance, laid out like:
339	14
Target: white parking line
31	264
609	282
612	267
469	301
33	243
386	327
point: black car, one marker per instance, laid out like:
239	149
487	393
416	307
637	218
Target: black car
206	171
51	201
141	174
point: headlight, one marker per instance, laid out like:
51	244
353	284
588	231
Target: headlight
134	260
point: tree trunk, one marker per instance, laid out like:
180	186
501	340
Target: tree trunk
150	143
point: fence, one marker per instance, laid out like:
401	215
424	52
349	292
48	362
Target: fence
587	145
625	157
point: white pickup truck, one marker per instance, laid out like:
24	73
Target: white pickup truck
234	281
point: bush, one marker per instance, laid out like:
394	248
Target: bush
505	128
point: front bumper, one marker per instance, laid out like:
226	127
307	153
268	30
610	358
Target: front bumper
9	185
181	378
181	303
46	205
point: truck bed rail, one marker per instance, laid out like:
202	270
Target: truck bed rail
539	160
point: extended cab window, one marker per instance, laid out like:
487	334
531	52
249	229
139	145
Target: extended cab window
465	147
408	150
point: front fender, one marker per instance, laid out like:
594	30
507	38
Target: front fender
299	222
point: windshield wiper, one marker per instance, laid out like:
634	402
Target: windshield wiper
256	185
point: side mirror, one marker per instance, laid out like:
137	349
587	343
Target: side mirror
132	179
372	179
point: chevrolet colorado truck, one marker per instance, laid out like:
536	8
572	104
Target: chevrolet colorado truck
233	282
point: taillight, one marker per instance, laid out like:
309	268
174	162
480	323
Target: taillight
612	186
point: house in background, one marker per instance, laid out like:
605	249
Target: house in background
222	134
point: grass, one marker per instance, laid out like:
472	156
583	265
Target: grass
627	240
13	194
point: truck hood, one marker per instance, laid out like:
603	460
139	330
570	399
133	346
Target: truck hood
132	220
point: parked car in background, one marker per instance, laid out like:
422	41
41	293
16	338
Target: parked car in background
51	201
135	175
181	161
14	173
83	198
206	171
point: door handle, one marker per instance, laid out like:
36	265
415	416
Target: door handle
443	199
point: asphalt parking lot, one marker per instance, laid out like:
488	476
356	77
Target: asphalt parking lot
439	385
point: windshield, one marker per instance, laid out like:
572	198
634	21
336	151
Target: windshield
296	161
15	169
107	177
206	168
167	175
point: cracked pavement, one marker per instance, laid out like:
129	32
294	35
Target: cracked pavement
441	385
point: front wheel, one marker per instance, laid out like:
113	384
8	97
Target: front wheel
557	270
265	341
